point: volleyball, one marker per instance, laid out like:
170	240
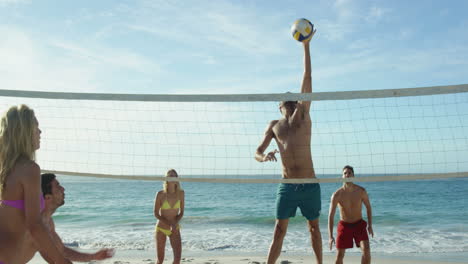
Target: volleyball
302	29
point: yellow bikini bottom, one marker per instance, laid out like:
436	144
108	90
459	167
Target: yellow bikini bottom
165	231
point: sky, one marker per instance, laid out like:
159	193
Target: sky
190	47
239	47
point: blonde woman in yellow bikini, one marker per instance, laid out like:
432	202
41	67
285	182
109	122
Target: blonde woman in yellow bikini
169	210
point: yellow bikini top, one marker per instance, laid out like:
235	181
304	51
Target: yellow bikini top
166	205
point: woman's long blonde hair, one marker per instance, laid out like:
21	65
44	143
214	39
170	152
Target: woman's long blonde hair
16	139
177	188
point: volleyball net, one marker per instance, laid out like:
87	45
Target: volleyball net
402	134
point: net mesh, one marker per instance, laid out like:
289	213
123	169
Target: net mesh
394	135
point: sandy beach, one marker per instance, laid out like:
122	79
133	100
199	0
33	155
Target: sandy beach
259	260
147	257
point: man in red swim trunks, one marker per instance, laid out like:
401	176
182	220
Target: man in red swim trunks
350	198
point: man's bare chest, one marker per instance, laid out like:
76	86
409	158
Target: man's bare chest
350	200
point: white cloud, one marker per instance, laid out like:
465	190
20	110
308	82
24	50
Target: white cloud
345	9
335	31
108	57
210	24
439	58
376	13
444	12
10	2
406	33
25	66
247	85
38	64
443	61
349	18
338	27
205	59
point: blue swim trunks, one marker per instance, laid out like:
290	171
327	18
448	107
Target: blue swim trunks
305	196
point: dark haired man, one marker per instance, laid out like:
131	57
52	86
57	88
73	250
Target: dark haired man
350	198
54	197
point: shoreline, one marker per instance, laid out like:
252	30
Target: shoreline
148	257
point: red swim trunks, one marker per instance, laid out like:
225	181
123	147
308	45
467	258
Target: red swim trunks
349	231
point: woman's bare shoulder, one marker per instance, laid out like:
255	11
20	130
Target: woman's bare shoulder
25	168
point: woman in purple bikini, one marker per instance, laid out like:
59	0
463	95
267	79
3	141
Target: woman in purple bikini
20	187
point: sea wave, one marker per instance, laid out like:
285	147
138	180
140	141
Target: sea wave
238	238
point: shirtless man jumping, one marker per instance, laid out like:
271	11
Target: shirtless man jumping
350	198
292	134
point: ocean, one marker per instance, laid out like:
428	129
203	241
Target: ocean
426	218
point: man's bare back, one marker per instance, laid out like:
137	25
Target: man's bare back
292	134
293	140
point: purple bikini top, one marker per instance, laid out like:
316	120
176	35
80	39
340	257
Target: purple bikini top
20	203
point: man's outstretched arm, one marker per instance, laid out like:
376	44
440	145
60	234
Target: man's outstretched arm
268	136
75	255
85	257
307	78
